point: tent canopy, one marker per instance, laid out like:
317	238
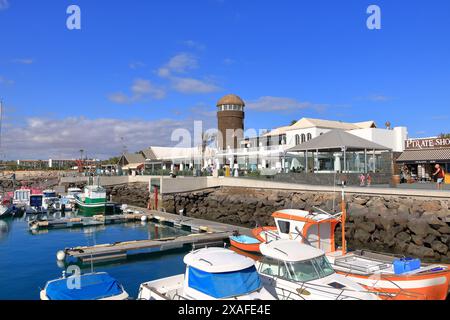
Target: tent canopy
337	140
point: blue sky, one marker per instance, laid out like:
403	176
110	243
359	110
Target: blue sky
139	69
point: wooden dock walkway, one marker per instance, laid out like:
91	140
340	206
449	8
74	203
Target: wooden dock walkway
205	233
121	250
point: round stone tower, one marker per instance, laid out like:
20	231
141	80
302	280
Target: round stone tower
230	116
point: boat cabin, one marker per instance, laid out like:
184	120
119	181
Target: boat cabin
311	228
22	197
217	273
94	192
294	261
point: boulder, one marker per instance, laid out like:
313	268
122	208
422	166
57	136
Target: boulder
361	235
419	227
432	206
367	226
439	247
429	239
417	240
403	236
420	252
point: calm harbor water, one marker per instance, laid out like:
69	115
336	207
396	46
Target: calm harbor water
28	261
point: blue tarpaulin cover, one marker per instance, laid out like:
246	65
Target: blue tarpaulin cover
93	287
225	285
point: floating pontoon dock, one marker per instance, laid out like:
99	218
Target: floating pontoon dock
122	250
81	222
213	233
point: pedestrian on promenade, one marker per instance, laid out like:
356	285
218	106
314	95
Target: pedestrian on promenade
369	179
439	174
362	180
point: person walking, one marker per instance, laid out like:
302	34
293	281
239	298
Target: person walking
362	180
439	174
369	179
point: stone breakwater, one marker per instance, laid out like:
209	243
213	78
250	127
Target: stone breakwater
403	225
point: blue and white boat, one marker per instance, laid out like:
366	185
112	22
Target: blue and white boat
90	286
211	274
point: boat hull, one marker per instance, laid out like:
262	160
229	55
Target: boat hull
426	286
258	233
90	209
253	247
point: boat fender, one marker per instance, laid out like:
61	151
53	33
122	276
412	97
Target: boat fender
144	218
61	255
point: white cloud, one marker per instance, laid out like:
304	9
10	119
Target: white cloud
282	104
180	63
44	138
137	65
194	45
6	81
4	4
141	89
24	60
190	85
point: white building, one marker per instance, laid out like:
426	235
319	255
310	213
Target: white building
269	150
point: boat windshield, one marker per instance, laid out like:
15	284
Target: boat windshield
309	270
300	271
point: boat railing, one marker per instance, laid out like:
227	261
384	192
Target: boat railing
379	292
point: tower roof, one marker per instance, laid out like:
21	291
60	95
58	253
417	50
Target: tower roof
231	99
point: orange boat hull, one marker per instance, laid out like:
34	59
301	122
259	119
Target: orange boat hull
254	247
424	286
257	232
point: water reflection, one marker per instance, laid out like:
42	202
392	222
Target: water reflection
4	229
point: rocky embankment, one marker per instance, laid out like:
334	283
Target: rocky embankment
32	179
135	194
402	225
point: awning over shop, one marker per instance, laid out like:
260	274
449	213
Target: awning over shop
425	156
133	166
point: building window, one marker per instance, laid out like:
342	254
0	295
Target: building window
297	139
303	138
309	136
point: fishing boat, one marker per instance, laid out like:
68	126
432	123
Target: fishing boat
296	271
211	274
245	243
90	286
395	278
92	201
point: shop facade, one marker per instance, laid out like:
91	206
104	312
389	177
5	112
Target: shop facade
417	163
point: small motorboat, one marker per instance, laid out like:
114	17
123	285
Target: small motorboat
5	211
90	286
211	274
296	271
377	272
245	243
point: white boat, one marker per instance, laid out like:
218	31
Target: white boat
50	201
90	286
5	211
393	277
211	274
295	271
70	198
